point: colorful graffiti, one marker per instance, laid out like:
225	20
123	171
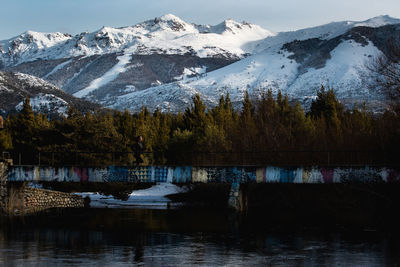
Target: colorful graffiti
187	174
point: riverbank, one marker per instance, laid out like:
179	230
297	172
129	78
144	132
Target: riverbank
154	197
352	204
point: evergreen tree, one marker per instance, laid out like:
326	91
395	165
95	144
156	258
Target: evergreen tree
5	138
247	128
23	128
195	117
326	105
198	136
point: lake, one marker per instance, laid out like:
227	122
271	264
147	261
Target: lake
187	236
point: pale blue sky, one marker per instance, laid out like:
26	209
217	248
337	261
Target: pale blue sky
74	16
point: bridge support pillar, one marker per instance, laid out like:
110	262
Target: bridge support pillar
19	199
3	187
237	197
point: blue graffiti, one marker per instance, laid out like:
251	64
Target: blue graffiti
287	175
182	174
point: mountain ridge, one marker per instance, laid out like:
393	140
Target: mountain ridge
165	34
45	97
164	61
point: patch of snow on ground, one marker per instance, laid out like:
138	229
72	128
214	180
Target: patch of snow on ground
129	88
35	185
107	77
46	103
33	81
190	72
57	68
341	72
153	197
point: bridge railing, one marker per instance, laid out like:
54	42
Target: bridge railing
207	158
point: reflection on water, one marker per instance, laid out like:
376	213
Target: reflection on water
184	237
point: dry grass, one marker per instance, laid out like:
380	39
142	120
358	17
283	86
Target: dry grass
15	201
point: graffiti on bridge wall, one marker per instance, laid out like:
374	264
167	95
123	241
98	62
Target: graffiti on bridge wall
187	174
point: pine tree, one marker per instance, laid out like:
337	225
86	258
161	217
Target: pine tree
5	138
196	120
23	128
247	129
327	104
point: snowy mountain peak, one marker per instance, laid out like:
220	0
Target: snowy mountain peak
167	34
232	25
171	17
378	21
38	39
31	40
172	23
323	32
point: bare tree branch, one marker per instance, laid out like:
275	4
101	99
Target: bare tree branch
384	74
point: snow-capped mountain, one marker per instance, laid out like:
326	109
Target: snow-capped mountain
162	63
44	97
113	61
297	63
165	35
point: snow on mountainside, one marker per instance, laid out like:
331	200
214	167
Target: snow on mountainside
162	63
297	63
45	97
165	35
104	64
29	45
47	103
324	32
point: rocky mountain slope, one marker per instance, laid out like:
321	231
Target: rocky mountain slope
162	63
297	63
45	97
113	61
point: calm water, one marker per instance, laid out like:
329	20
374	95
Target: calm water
112	237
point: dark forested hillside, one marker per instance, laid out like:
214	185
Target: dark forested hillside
266	131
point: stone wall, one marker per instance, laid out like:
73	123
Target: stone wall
17	198
3	187
40	199
26	200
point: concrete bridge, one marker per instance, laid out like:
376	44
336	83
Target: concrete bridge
13	178
188	174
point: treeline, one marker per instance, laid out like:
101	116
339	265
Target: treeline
269	130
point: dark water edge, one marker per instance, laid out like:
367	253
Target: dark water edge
283	225
189	236
356	205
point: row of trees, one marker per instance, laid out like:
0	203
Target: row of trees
269	130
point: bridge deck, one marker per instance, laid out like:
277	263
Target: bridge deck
188	174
